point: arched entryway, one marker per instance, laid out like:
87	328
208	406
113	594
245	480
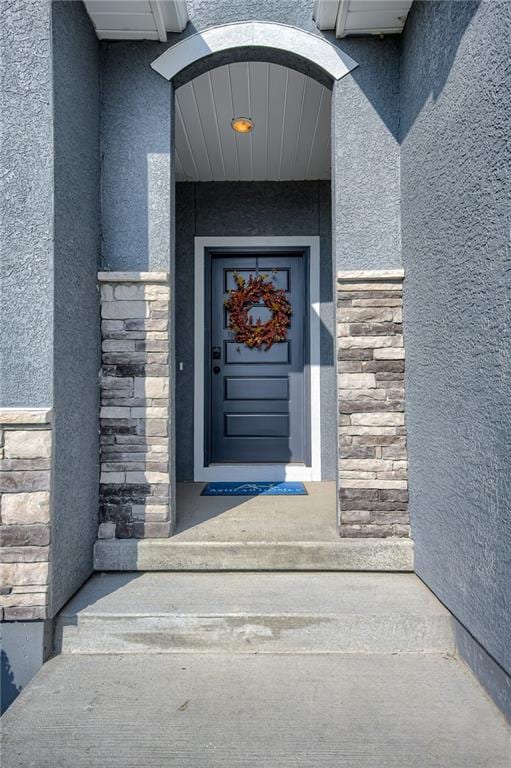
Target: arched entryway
245	201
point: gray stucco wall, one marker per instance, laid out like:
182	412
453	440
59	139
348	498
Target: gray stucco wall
249	208
26	223
365	157
136	163
204	13
456	188
76	352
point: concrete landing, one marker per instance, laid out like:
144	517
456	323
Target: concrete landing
256	712
254	613
257	518
264	533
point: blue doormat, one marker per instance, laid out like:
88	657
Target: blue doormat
254	489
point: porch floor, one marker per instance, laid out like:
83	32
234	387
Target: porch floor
256	518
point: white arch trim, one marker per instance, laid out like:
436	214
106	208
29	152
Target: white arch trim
263	34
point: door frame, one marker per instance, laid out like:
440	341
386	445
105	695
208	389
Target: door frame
257	471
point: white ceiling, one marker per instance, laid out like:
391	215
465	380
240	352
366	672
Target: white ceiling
362	17
137	19
291	134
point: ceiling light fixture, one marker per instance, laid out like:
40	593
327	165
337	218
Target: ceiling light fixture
242	124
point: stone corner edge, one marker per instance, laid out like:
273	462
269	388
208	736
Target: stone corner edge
370	275
26	415
133	277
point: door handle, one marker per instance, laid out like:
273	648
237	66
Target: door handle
216	353
216	369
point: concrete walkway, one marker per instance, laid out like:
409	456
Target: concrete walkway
246	670
250	711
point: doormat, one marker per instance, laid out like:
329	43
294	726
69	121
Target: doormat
255	489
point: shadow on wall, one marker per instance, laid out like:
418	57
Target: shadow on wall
381	85
8	687
427	84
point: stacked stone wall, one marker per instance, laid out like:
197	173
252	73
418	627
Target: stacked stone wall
25	513
373	471
134	485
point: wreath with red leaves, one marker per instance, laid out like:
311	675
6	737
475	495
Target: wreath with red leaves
257	290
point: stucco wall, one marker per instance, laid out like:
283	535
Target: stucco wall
455	122
365	157
76	352
249	208
204	13
26	223
136	169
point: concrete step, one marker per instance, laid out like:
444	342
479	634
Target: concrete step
192	711
174	554
254	613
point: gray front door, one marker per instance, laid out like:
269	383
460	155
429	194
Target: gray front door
258	399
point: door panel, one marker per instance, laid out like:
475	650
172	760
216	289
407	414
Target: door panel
238	354
258	399
256	388
261	424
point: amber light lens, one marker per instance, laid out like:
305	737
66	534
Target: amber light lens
242	124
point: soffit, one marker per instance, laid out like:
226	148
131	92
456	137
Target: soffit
361	17
137	19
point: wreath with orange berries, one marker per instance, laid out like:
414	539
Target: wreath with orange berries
258	290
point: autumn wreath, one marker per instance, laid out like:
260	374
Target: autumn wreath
257	290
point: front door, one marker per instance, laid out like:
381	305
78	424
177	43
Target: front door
258	409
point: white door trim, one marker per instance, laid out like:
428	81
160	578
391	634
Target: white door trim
261	472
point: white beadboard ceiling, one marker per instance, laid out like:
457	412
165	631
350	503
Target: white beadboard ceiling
137	19
362	17
291	134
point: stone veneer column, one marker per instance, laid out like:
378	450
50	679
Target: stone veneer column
373	482
135	487
25	512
